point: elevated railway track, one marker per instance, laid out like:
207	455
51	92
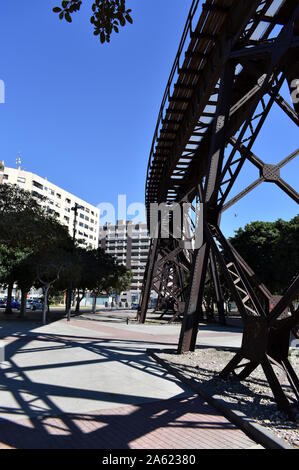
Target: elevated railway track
233	59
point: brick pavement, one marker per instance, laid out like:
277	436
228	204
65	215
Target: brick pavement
176	422
188	423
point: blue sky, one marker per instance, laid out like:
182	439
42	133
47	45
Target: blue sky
83	114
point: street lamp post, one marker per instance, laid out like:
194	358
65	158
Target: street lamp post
69	296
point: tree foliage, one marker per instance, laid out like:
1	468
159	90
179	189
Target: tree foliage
26	233
13	200
107	15
36	250
271	249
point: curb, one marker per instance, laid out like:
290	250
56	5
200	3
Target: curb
253	430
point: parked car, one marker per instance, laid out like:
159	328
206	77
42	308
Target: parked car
36	305
135	306
15	305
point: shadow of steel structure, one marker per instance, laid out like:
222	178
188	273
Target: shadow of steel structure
232	62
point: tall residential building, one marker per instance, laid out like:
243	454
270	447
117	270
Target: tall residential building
58	202
129	244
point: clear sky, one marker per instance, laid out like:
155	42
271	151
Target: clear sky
83	114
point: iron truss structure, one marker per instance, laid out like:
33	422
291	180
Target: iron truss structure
233	59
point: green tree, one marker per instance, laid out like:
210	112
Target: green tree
49	267
104	275
73	272
10	260
122	279
85	275
271	249
26	231
25	277
107	15
18	215
14	200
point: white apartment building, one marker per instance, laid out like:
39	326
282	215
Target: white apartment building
129	244
58	202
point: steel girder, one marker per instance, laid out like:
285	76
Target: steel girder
171	286
230	80
167	270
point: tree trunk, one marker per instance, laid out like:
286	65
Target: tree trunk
8	309
94	304
79	300
210	310
200	313
67	301
24	293
45	305
73	298
69	304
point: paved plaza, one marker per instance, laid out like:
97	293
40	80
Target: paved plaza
91	384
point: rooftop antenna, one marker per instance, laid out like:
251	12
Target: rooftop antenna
18	162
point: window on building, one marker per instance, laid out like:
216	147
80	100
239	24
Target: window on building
37	185
36	195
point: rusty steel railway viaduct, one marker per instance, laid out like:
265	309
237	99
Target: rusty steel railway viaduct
233	59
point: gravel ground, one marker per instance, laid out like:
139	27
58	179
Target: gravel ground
253	397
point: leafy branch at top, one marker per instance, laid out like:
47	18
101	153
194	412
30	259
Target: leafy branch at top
107	15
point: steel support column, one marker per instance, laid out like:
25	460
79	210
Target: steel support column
148	276
189	329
